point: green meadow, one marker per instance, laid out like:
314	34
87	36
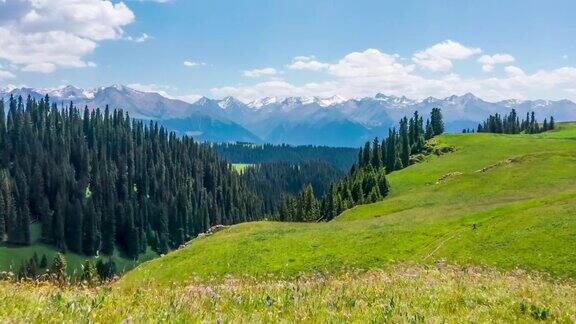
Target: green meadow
507	201
487	232
12	257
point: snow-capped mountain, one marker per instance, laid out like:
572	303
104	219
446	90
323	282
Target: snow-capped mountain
316	120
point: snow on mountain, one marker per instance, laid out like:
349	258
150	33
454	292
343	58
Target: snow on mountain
295	120
330	101
393	101
69	93
229	102
259	103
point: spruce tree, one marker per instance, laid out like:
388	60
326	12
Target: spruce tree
376	154
59	267
404	142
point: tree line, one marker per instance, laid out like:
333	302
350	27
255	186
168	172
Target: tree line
240	152
98	181
366	181
276	181
511	124
37	268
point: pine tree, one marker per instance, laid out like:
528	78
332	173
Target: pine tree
74	227
43	265
404	142
436	122
89	229
376	152
391	150
59	267
429	133
366	154
89	272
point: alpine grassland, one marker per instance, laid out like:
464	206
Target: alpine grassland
403	293
485	231
507	201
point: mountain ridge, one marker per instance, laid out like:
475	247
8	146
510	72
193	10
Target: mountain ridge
293	119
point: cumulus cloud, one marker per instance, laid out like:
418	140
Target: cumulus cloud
139	39
43	35
370	63
151	87
156	1
256	73
4	75
513	71
193	63
488	61
439	57
305	58
165	91
365	73
307	63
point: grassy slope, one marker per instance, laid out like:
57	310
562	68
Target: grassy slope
11	257
525	213
402	294
240	167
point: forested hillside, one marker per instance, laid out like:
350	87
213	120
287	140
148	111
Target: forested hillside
99	181
277	181
340	157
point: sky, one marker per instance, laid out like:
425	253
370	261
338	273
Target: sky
249	49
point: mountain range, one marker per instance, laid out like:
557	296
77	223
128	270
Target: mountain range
332	121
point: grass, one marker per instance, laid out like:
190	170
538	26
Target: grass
240	167
505	203
12	257
523	205
404	293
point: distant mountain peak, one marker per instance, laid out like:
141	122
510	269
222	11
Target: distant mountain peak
228	102
203	101
295	119
259	103
330	101
394	100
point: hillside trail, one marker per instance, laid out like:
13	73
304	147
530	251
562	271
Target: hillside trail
445	238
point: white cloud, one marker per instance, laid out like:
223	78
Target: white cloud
42	35
156	1
488	61
151	87
139	39
193	64
305	58
6	75
439	57
262	89
256	73
513	71
189	98
165	91
370	63
308	65
360	74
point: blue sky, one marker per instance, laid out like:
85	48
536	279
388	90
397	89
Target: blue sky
495	49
